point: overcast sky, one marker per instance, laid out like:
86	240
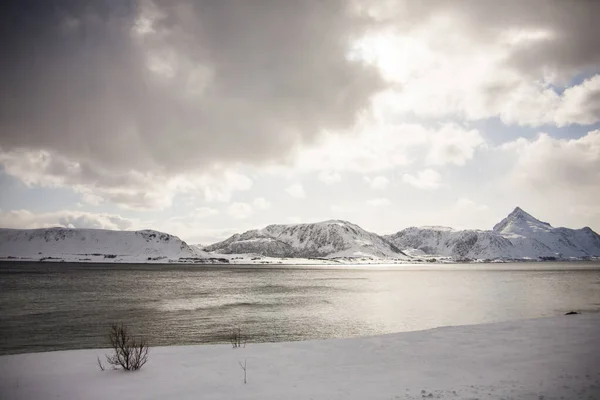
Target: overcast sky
205	118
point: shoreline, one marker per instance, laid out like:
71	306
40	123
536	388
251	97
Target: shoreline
549	357
300	262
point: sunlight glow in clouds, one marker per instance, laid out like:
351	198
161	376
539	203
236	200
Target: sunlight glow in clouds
206	118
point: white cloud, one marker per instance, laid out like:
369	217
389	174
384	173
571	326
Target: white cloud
25	219
329	177
379	144
296	190
204	212
428	179
218	186
564	167
466	203
131	190
445	70
580	104
260	203
240	210
378	182
379	202
453	145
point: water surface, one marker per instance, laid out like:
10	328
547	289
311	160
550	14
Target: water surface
46	306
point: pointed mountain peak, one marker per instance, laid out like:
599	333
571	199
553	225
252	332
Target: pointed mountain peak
518	221
518	212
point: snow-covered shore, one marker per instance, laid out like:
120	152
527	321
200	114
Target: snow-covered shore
551	358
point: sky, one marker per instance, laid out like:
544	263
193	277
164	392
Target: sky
206	118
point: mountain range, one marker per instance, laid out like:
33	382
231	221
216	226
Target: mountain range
519	236
65	244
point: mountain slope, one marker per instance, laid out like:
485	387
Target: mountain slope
518	236
92	245
330	239
459	244
563	241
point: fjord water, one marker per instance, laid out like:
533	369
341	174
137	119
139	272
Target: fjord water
45	306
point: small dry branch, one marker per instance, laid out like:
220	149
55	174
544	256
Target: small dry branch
100	364
244	368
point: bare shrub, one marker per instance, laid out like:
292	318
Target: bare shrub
236	339
129	353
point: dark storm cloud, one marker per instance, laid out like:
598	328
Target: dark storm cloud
244	80
224	81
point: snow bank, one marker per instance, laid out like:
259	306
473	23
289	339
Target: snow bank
551	358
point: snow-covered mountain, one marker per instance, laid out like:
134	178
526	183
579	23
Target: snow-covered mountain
330	239
562	241
94	245
458	244
518	236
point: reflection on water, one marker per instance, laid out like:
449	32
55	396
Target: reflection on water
66	306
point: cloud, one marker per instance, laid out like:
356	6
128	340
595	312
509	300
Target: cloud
240	210
581	103
146	104
427	179
260	203
329	177
131	189
204	212
379	202
25	219
549	166
296	190
165	88
378	144
455	59
378	182
453	145
468	204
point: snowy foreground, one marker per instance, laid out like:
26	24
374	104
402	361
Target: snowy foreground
552	358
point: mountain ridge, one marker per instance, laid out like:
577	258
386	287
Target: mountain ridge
330	239
519	236
94	245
